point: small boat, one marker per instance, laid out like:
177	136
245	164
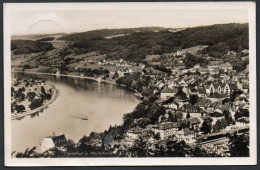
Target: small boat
79	117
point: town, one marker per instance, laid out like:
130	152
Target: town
194	100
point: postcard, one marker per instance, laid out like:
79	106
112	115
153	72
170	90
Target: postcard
130	84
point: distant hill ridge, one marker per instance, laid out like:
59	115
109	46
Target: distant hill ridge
101	33
136	46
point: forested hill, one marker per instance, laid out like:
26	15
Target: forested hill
136	46
29	46
107	32
232	35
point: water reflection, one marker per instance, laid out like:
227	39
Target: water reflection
34	114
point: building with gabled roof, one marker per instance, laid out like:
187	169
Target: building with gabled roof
54	140
226	66
220	88
164	129
167	92
194	111
186	135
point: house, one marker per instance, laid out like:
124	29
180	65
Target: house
172	84
213	71
167	92
226	66
242	122
203	71
197	66
217	97
159	84
194	111
202	92
193	91
239	84
217	62
134	133
155	90
225	77
220	88
204	103
167	129
231	53
186	135
185	90
181	100
194	123
216	116
54	140
164	129
245	88
241	101
178	53
172	105
58	73
213	66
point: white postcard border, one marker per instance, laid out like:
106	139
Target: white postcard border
250	6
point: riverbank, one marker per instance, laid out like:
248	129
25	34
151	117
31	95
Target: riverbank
136	93
51	101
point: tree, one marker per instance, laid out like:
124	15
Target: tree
71	146
139	148
28	153
234	94
193	99
226	100
184	124
84	146
157	136
238	115
198	151
188	115
20	95
19	108
241	113
36	103
42	89
219	125
228	116
176	149
206	126
239	145
31	96
12	91
178	116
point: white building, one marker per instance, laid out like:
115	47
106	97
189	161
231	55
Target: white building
54	140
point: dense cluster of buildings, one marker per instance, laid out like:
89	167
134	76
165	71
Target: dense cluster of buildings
217	88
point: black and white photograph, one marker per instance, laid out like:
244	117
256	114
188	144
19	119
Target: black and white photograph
165	83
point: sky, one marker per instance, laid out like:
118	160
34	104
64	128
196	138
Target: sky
68	21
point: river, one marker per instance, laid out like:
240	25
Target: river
103	104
